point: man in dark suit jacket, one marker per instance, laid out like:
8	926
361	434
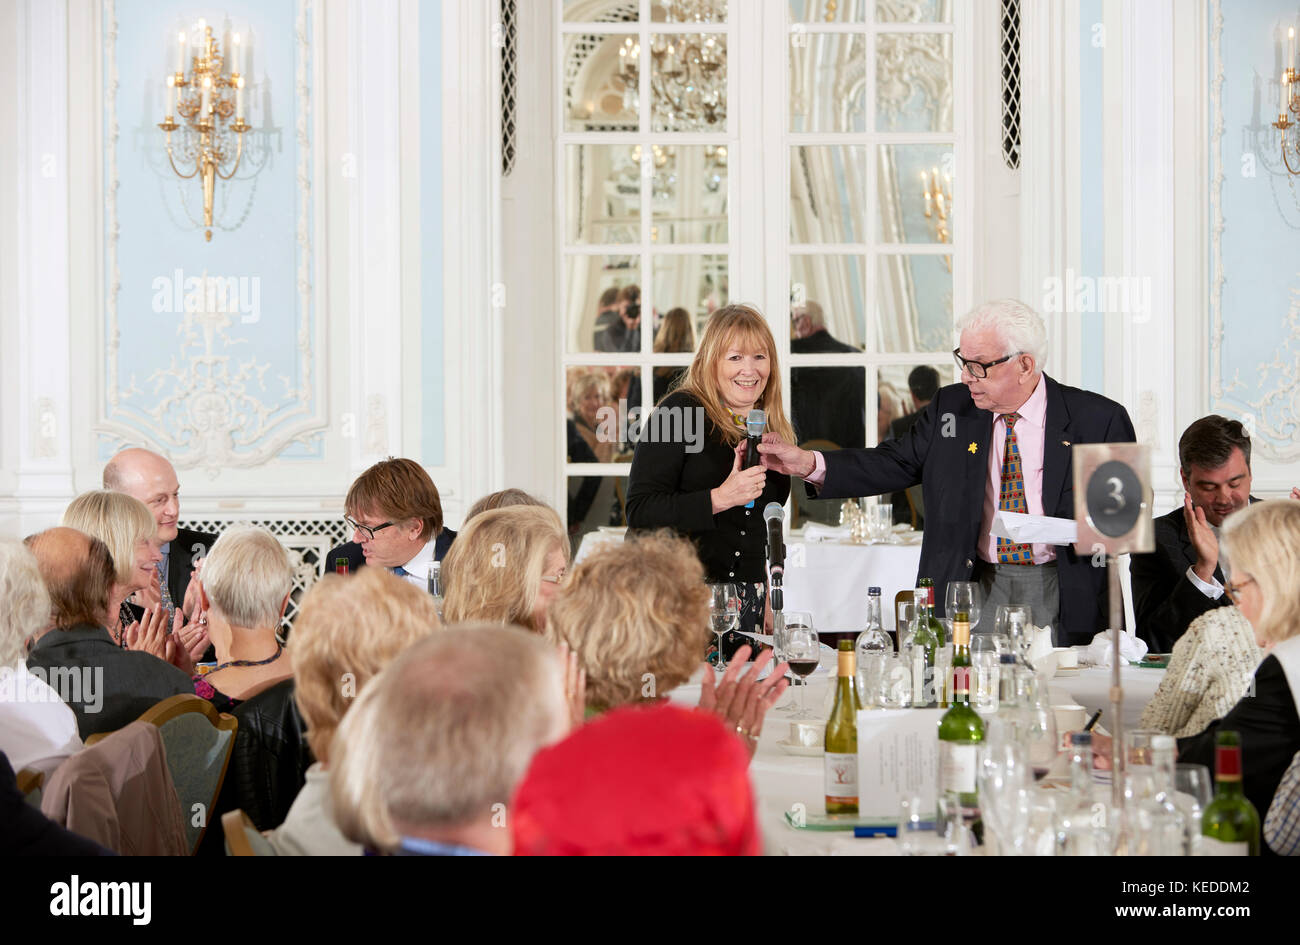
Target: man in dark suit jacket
149	477
826	403
923	382
1183	578
949	452
106	686
396	518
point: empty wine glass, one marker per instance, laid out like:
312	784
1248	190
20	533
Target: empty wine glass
724	614
1004	789
802	651
962	595
917	823
435	586
1012	620
895	683
1043	744
1192	792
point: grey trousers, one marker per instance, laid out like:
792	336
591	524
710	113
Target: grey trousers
1035	586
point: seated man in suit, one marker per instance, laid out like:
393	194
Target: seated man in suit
998	441
395	514
106	686
1183	577
146	476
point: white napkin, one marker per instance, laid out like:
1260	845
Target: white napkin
1034	529
1041	645
1102	648
815	531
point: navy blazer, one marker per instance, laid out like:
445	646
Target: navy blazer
352	551
946	451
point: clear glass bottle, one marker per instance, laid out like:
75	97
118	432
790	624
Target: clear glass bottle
924	647
873	648
1161	825
1084	828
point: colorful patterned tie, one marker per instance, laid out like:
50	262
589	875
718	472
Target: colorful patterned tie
165	593
1012	496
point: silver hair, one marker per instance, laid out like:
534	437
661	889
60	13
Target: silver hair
247	575
26	610
1018	325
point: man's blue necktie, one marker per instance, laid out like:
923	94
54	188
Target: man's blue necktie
401	572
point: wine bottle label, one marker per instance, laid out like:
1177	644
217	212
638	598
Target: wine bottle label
957	767
841	778
1212	846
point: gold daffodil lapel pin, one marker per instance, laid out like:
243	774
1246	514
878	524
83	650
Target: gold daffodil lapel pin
972	448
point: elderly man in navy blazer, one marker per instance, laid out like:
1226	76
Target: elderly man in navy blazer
999	440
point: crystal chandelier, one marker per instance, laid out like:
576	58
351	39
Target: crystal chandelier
688	83
1289	101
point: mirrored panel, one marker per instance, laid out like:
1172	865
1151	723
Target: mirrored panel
601	11
602	299
688	11
915	193
596	502
828	406
688	82
828	312
602	185
913	308
902	391
829	11
828	82
598	401
914	82
690	193
600	87
828	194
697	284
914	11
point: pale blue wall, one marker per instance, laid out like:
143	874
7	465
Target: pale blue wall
431	279
1261	223
256	220
1092	189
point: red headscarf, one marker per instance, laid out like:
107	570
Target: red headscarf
639	781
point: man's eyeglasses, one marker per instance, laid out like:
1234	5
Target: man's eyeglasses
980	368
367	530
1233	590
554	578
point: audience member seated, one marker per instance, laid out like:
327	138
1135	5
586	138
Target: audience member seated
476	702
37	730
346	632
244	586
503	499
1263	548
1282	822
506	567
588	393
149	477
105	685
636	615
1209	673
639	781
395	514
1183	577
25	831
676	335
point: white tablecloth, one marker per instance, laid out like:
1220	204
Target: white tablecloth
1091	689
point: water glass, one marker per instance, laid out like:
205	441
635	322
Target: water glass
918	822
896	683
1005	790
962	595
1193	789
1012	621
882	521
724	614
435	586
986	669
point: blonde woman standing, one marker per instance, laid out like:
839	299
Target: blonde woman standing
686	472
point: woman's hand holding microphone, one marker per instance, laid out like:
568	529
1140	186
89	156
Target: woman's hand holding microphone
741	486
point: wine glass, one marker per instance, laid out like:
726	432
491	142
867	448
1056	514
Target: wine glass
985	667
962	595
917	826
1043	743
436	589
1012	620
1004	788
802	651
1192	791
724	615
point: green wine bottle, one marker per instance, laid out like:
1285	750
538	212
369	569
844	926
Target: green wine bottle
961	730
935	623
1230	824
841	762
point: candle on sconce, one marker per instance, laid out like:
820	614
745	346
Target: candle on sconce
207	96
1290	48
180	52
239	98
235	59
171	84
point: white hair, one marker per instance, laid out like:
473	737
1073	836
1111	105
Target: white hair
1019	326
246	576
26	610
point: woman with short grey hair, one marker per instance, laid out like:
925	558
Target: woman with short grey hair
37	729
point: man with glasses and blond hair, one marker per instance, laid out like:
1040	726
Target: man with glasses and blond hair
395	515
998	441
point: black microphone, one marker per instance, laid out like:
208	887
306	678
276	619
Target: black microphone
755	424
774	516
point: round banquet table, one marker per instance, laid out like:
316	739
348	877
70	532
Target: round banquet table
782	780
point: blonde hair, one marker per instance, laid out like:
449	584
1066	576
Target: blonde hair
583	383
246	576
27	608
475	703
1263	541
348	630
636	615
494	568
739	326
676	333
119	521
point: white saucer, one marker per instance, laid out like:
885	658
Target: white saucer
1071	671
792	748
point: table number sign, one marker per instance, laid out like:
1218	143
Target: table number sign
1112	499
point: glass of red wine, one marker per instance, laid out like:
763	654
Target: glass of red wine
802	650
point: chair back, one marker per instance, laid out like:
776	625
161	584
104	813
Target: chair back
31	782
198	740
242	836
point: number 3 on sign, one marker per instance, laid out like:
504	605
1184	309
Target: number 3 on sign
1116	493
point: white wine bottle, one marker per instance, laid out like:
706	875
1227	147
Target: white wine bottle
841	760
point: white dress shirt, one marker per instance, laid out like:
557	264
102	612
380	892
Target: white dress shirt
417	569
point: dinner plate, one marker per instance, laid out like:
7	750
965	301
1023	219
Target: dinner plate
1071	671
793	748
